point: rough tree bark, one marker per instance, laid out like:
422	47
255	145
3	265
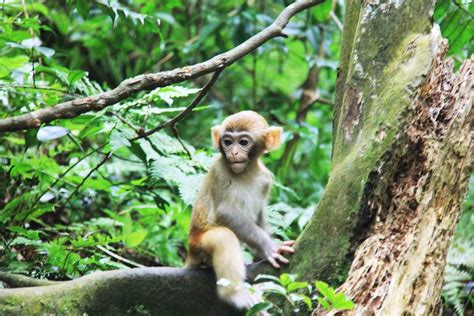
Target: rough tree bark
402	155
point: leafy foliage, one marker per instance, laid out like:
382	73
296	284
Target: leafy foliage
81	195
459	272
456	19
83	189
302	296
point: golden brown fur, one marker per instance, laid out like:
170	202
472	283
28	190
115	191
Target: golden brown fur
229	208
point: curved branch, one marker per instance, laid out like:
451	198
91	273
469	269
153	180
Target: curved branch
133	85
17	280
150	291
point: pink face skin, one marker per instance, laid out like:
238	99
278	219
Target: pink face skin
238	148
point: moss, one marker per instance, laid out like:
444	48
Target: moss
380	33
382	76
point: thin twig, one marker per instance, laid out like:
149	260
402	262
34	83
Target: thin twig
63	175
336	20
41	88
137	130
151	81
324	101
164	60
176	134
116	256
184	113
106	157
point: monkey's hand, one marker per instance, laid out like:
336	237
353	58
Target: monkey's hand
274	255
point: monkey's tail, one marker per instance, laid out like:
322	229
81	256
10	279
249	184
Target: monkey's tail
229	266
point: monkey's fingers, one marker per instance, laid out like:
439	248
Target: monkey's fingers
281	258
288	243
273	262
285	249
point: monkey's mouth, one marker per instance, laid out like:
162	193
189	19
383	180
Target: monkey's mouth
238	166
238	161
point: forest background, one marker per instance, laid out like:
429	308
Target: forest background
78	195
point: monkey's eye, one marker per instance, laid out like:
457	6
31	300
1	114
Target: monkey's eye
243	142
227	142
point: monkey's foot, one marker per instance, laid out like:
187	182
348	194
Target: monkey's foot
241	298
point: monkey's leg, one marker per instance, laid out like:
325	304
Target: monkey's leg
224	248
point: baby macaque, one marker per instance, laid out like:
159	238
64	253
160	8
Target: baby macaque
229	208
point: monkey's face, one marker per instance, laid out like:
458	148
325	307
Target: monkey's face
238	148
242	137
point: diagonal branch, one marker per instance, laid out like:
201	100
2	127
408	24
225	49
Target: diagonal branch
133	85
172	122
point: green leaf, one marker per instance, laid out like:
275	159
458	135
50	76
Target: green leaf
301	297
74	76
83	8
323	303
189	187
293	286
344	304
167	94
441	9
133	239
267	277
29	233
7	64
118	139
325	290
24	241
257	308
271	287
286	278
322	11
30	137
137	150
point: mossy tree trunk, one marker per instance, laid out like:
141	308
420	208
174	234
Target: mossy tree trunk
401	160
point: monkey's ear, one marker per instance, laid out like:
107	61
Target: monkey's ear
215	135
273	137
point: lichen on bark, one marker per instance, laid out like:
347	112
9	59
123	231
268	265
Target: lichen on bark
402	153
379	80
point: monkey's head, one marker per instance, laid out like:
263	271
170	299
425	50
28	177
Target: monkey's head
243	137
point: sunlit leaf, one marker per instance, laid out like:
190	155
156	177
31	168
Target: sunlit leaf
75	75
133	239
51	132
46	51
31	42
254	310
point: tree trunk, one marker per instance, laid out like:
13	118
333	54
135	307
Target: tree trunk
401	160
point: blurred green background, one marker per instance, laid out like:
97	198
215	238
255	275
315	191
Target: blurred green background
77	196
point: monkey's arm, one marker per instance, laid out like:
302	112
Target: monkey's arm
253	235
262	222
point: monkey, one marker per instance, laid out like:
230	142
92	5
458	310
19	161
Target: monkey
229	207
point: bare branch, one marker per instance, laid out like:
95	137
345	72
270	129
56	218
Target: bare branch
336	20
18	280
184	113
176	134
106	157
120	258
41	88
137	130
133	85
